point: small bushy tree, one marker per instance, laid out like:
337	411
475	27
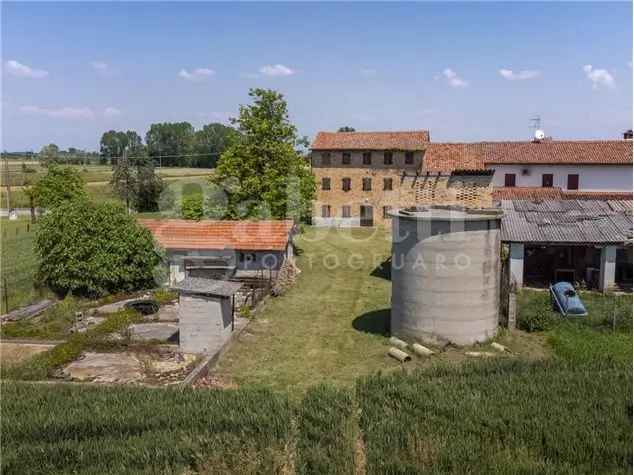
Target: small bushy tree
192	206
92	249
60	185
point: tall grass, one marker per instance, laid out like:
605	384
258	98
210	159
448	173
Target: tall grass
326	432
71	429
504	416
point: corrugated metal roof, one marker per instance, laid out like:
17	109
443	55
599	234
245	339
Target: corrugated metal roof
199	285
567	221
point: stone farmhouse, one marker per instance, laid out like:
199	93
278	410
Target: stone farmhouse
361	176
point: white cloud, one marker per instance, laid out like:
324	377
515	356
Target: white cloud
277	70
453	78
368	72
199	74
99	66
599	77
72	113
111	112
22	70
520	75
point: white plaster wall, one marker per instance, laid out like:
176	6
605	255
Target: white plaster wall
591	177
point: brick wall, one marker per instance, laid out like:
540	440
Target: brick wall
407	189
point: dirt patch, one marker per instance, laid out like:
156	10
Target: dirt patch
157	366
14	353
214	382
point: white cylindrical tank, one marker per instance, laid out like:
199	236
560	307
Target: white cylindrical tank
445	274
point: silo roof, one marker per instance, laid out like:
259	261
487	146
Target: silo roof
447	213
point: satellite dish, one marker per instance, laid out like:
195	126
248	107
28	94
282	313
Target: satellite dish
539	134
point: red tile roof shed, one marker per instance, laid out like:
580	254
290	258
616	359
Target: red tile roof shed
217	235
413	140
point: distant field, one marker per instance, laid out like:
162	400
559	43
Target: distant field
22	173
102	191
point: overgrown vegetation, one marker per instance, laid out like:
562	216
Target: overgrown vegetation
93	249
43	365
88	430
505	416
53	324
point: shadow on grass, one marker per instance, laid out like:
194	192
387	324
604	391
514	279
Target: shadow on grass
376	322
383	270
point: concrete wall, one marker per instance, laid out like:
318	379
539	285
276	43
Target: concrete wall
445	280
591	177
262	260
204	323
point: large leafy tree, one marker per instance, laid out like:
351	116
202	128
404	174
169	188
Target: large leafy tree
136	183
95	248
210	142
59	185
113	144
170	142
49	154
263	174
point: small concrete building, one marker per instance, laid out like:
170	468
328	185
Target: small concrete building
205	314
222	249
579	241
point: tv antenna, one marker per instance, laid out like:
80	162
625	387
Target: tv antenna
535	125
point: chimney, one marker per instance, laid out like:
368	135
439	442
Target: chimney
627	135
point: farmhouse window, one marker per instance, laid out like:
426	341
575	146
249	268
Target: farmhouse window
509	179
386	212
346	184
573	182
346	158
325	184
367	184
325	159
345	211
388	158
325	211
409	158
547	180
367	158
387	184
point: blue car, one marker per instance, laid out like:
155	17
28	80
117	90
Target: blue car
566	300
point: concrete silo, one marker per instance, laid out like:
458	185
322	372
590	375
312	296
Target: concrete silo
445	274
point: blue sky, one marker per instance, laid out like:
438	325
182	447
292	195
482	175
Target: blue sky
474	71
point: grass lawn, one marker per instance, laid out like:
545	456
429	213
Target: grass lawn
331	325
19	264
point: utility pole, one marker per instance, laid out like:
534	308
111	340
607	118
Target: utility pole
8	183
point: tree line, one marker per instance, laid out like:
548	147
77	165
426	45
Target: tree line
171	144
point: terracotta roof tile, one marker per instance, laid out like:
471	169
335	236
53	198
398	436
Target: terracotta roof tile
587	152
413	140
447	157
538	193
211	234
